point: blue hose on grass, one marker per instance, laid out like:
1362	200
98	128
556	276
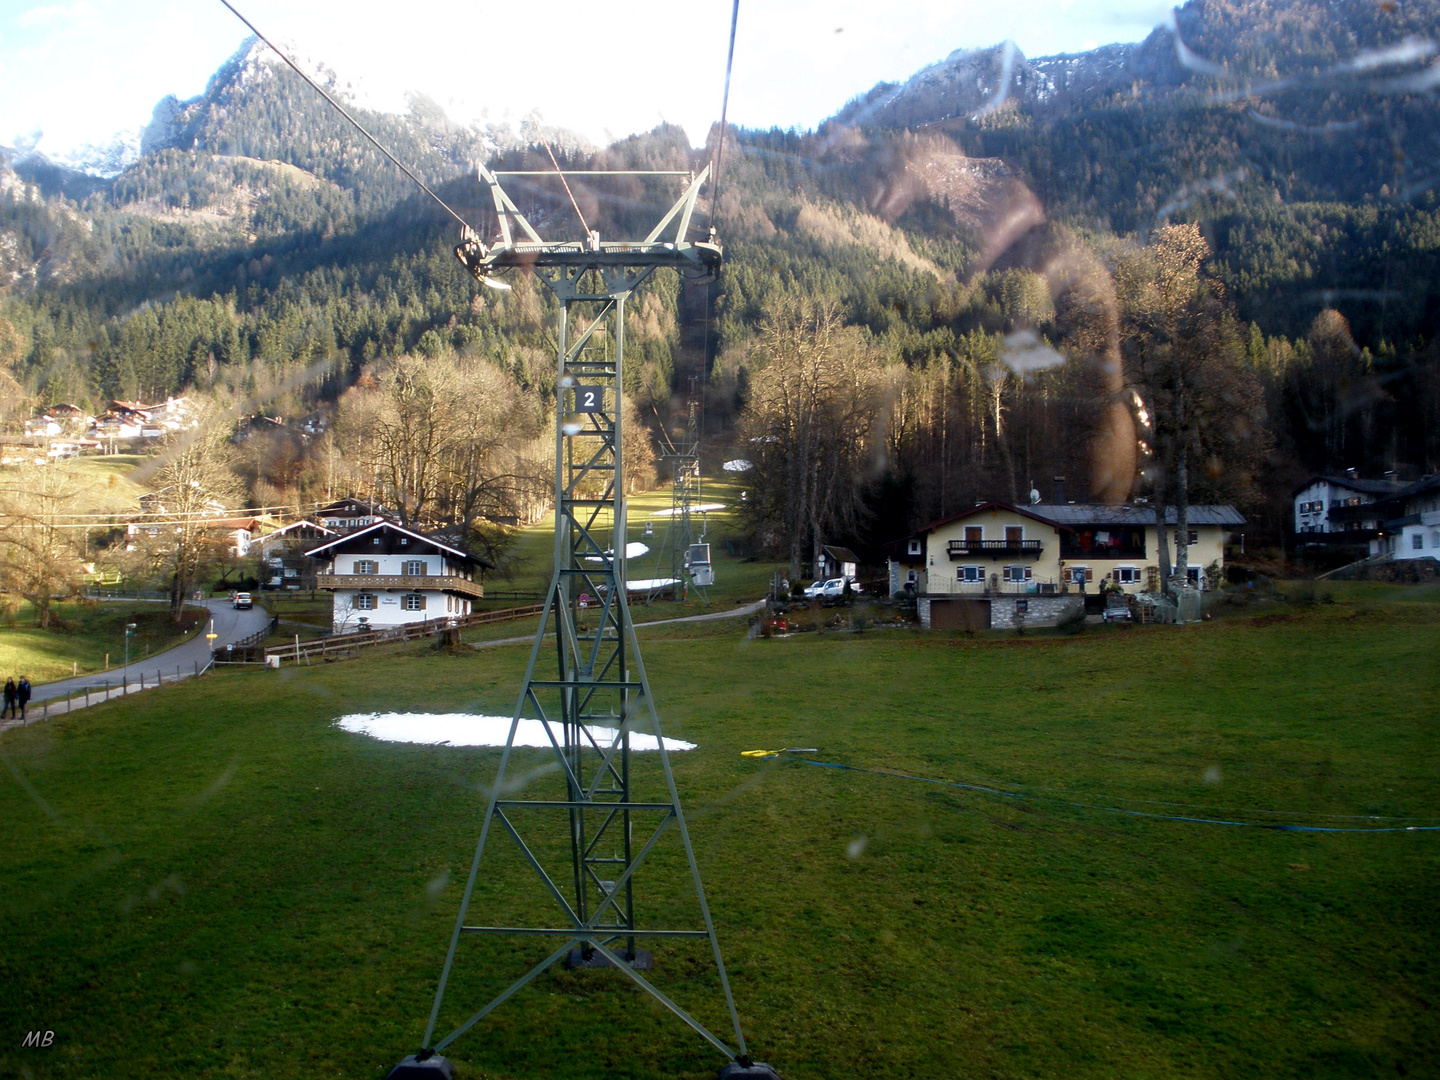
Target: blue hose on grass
1115	809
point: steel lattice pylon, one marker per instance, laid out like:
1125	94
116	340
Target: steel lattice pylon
597	692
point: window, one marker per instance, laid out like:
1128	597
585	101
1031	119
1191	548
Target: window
364	601
375	540
1017	573
914	547
404	540
1417	541
1435	539
415	567
1194	537
366	566
1081	574
971	574
1192	573
911	577
1127	575
413	602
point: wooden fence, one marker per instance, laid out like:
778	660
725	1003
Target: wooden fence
341	646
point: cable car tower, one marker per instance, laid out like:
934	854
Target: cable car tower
587	686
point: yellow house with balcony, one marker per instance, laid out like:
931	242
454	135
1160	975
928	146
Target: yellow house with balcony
997	549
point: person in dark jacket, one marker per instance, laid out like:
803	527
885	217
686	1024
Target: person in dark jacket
22	694
10	692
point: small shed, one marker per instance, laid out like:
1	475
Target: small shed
837	562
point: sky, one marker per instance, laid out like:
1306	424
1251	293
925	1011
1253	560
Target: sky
78	72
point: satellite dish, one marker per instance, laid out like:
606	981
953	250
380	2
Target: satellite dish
1034	496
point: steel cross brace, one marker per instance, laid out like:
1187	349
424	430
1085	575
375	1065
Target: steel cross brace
597	671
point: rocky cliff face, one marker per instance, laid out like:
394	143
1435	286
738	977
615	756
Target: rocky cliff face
1210	50
971	86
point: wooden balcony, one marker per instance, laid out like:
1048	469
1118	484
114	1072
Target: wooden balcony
991	549
402	582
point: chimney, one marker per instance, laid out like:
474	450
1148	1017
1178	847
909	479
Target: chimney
1060	490
1351	472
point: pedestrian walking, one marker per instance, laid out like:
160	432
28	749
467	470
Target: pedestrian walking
10	692
22	694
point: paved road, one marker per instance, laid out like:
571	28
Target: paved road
748	609
230	625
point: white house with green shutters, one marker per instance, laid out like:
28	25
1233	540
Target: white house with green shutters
387	575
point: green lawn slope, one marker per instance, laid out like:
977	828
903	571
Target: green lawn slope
83	633
212	880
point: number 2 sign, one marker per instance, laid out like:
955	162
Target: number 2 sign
589	399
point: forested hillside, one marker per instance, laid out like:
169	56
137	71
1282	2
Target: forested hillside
1004	262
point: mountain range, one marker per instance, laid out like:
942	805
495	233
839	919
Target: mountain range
1302	136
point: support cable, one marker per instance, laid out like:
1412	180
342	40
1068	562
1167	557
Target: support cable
355	123
724	109
560	173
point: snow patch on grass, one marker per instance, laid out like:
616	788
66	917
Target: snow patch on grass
468	729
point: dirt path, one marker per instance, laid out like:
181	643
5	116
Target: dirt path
747	609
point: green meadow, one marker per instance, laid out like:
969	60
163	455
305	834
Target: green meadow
213	880
83	633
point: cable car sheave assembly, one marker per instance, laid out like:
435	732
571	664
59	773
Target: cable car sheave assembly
590	690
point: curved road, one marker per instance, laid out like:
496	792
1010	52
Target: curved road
230	626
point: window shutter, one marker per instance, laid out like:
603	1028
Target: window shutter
1089	574
1028	575
422	601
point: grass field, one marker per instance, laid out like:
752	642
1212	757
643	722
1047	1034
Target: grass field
81	633
212	880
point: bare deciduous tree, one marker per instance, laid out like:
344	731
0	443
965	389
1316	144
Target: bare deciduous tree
40	562
811	426
194	482
445	440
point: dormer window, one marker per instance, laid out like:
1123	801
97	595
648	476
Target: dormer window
914	547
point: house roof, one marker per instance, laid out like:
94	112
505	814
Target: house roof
299	525
992	504
1076	515
340	506
1353	483
445	543
840	554
1082	515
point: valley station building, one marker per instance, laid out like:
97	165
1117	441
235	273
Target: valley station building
388	575
999	550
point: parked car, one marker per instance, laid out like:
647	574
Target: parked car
830	589
243	602
1116	614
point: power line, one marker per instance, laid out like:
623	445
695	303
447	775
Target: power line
341	110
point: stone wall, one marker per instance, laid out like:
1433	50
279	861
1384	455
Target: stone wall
1038	610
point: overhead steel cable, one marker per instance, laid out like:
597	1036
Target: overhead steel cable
724	111
342	111
546	143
